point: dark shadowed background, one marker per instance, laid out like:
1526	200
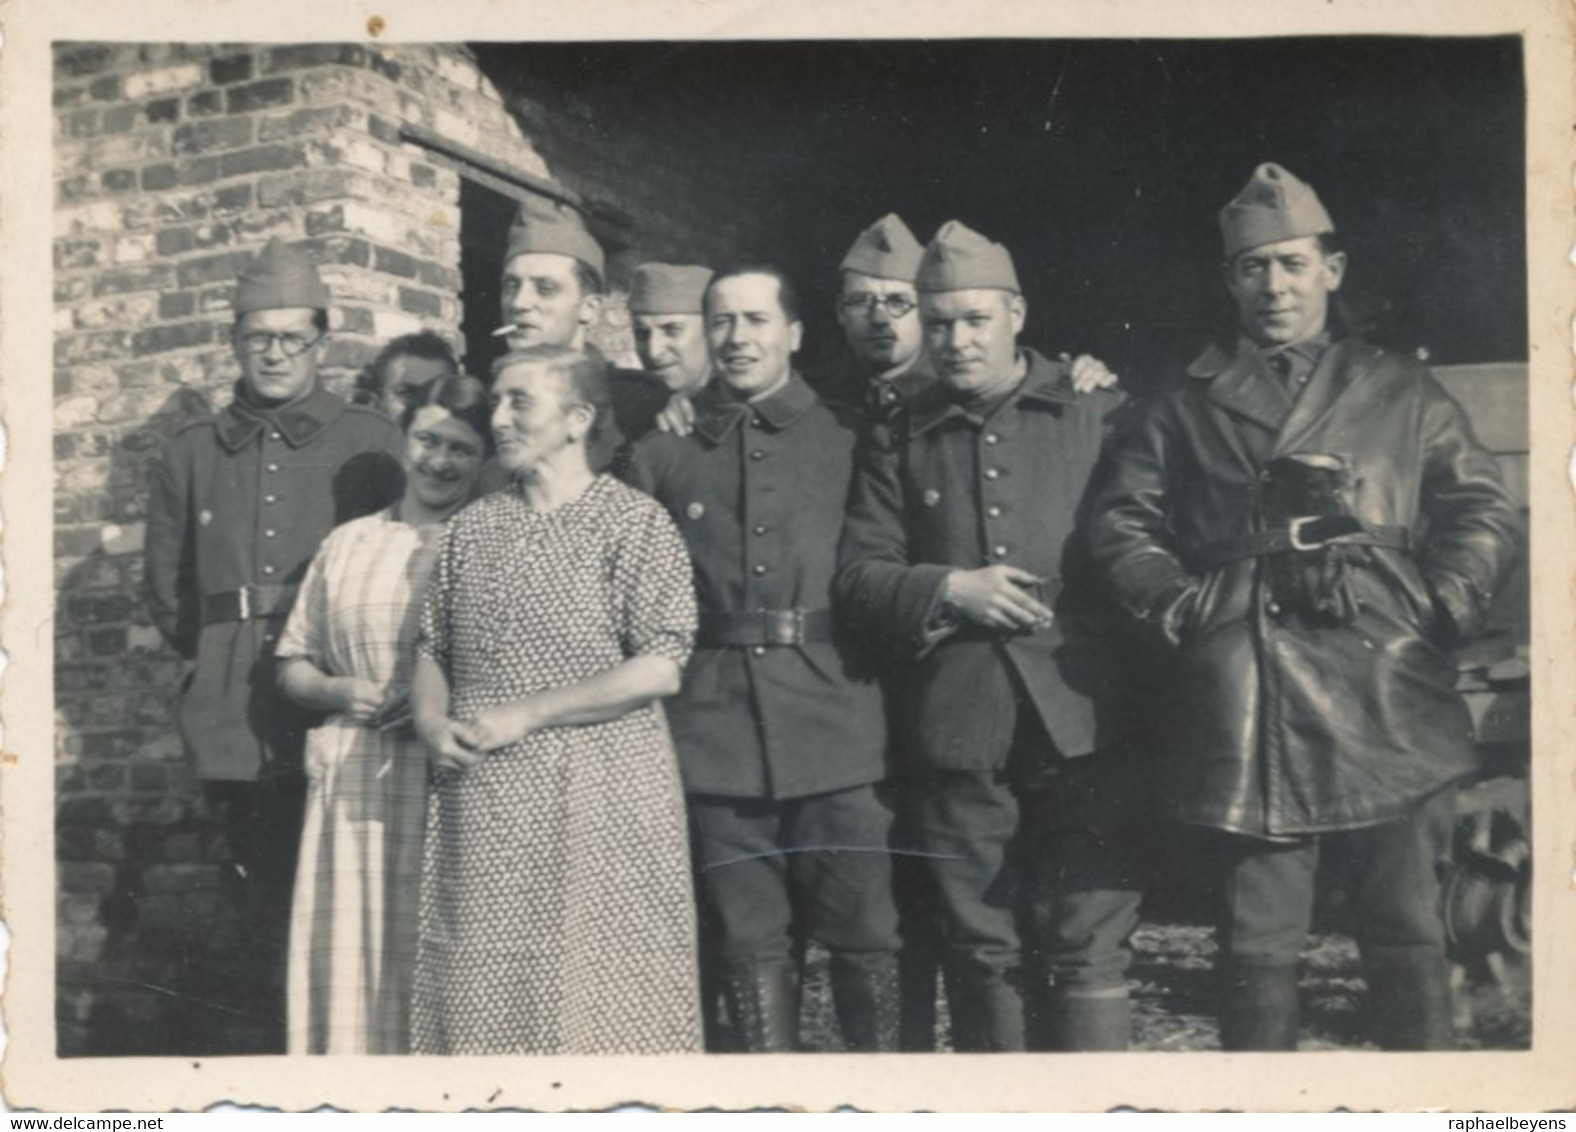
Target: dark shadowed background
1099	163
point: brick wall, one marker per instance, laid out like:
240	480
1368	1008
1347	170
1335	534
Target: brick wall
174	163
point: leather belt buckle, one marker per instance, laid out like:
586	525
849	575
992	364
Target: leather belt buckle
783	626
1304	535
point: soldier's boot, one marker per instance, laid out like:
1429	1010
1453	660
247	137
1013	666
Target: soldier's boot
917	967
987	1010
1260	1009
762	997
1409	1003
867	994
1090	1020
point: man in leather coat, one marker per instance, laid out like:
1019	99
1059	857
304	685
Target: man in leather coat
1308	525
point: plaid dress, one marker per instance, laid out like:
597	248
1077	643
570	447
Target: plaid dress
353	920
557	915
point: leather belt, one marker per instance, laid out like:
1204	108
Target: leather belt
731	628
1309	533
247	603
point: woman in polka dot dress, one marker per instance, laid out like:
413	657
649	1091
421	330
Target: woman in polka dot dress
556	913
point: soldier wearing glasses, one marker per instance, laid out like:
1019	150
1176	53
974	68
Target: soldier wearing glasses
238	505
884	368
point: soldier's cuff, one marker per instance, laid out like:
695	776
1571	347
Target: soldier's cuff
1150	584
942	618
1461	607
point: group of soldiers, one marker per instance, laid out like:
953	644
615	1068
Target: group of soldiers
971	622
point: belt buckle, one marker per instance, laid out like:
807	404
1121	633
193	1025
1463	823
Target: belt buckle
244	603
784	626
1295	527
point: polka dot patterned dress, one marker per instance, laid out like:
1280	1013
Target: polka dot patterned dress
557	915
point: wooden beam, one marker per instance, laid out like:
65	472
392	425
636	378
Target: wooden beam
608	224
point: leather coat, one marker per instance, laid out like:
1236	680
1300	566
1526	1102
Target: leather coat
1280	722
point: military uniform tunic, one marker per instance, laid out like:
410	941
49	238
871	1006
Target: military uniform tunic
849	384
945	487
758	492
240	501
941	489
780	744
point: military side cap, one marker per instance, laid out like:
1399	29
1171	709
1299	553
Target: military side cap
1274	205
960	259
544	225
668	288
279	277
886	250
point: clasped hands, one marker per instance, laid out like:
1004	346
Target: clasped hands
455	744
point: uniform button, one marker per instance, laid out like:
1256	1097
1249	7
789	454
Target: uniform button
1273	609
270	499
275	436
273	467
889	395
999	550
757	454
993	511
268	569
756	422
758	650
761	528
992	438
759	569
992	473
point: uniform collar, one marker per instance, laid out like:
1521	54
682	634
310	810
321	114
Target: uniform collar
298	421
1048	384
1239	382
912	381
1216	359
716	413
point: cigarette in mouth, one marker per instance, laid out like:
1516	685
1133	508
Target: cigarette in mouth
508	328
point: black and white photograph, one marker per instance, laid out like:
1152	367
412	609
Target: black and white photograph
645	547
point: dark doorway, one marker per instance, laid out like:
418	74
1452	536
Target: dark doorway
484	214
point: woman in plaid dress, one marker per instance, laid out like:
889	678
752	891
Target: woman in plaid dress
557	915
347	650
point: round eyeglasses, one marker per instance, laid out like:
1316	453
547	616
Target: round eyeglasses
896	306
290	345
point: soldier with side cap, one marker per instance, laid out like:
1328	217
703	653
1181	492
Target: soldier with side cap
1306	526
552	294
884	365
779	724
961	549
670	328
238	505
